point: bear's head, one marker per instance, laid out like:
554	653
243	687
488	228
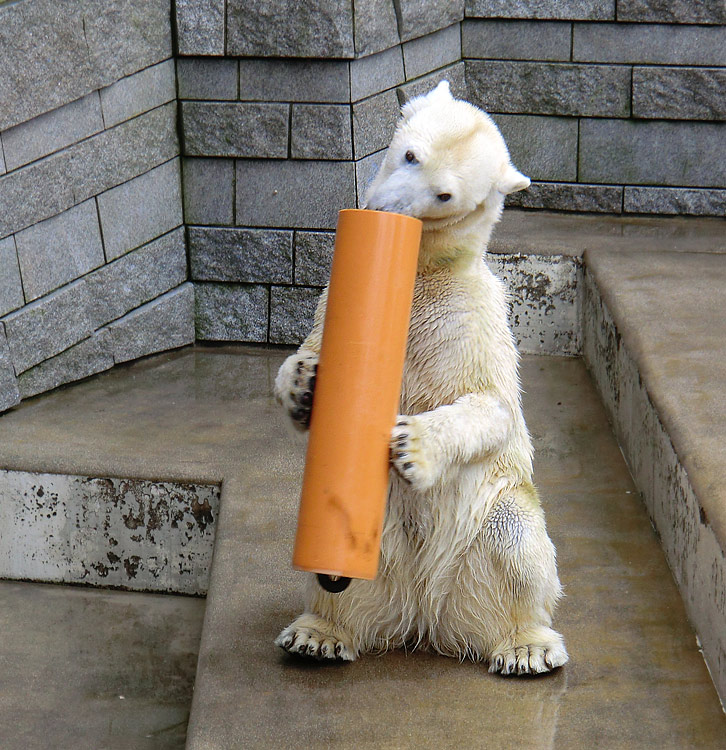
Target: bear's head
447	161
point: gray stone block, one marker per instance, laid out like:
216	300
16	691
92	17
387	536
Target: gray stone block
376	73
376	26
454	74
230	312
48	326
34	193
291	313
137	277
590	10
365	170
543	148
241	255
419	17
374	121
678	201
550	88
288	28
201	78
294	81
127	36
52	131
321	131
208	191
73	50
516	40
9	393
124	152
556	196
58	250
47	187
138	93
80	361
673	11
11	287
679	93
200	27
649	43
634	152
164	323
140	210
239	129
293	194
433	51
313	256
39	76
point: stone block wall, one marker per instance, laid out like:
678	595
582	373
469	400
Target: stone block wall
274	144
172	169
93	267
612	106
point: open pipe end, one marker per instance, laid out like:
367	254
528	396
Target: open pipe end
333	584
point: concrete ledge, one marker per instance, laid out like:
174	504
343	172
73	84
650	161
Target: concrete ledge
132	534
657	358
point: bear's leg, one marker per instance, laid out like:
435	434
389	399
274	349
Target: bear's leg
367	617
507	590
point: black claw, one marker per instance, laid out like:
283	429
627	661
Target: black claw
407	466
403	437
299	367
401	455
306	399
311	384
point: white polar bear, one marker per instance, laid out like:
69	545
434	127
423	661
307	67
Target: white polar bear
467	567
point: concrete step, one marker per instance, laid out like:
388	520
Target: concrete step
654	333
84	669
207	415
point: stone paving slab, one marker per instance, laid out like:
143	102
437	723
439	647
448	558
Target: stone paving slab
83	668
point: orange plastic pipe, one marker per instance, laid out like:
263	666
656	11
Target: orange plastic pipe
357	393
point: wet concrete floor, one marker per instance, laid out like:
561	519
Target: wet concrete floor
635	679
86	669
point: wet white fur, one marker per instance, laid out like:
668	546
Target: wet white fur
467	567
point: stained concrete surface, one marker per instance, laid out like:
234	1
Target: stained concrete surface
671	314
635	679
130	533
83	669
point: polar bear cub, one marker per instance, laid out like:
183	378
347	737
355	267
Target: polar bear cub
467	568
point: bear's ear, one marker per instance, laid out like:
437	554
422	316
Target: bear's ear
409	107
511	181
441	93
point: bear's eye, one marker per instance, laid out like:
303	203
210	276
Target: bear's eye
443	197
411	157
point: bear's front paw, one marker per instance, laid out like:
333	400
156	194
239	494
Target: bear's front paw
411	453
295	386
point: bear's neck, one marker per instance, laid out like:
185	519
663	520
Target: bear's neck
456	246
